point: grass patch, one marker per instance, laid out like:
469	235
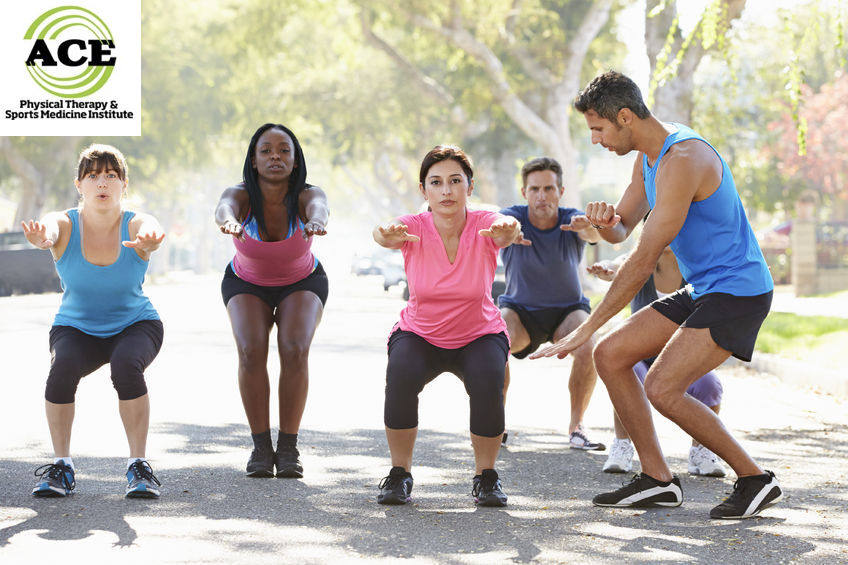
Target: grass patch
822	338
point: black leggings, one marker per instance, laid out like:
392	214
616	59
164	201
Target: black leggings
414	362
77	354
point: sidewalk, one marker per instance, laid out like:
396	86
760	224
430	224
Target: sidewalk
805	373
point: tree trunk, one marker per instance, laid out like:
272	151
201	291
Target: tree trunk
672	99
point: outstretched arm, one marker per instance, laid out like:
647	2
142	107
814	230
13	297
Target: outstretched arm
50	233
232	206
606	269
584	229
505	230
393	235
314	211
148	235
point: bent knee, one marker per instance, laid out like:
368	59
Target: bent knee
294	351
662	396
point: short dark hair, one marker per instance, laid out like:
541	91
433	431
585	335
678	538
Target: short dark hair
541	164
99	157
608	93
297	178
443	153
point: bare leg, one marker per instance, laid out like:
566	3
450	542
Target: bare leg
485	451
518	336
690	354
135	414
620	430
715	409
60	420
640	336
401	446
583	377
297	318
251	319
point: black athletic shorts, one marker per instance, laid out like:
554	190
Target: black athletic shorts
541	324
734	321
315	283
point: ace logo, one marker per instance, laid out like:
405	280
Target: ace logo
65	39
71	68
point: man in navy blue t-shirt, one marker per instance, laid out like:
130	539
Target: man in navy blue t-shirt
543	299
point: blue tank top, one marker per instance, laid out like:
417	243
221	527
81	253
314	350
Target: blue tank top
545	274
716	248
102	301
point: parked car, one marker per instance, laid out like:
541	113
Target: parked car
25	269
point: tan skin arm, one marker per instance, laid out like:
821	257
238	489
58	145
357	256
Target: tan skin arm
505	230
392	235
685	176
230	211
52	232
146	235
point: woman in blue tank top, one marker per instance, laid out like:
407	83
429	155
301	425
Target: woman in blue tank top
101	253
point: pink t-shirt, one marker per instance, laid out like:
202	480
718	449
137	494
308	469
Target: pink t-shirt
450	305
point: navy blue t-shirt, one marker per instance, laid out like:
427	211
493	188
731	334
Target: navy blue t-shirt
543	275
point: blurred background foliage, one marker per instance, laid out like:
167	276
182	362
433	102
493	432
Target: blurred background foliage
370	86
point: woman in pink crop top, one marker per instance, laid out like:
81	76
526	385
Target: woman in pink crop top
274	279
450	323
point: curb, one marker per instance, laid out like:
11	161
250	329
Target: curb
801	373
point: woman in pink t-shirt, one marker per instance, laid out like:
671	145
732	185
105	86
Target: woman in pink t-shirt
450	323
274	279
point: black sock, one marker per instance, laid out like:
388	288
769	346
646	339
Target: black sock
286	440
262	440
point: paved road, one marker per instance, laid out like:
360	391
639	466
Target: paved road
211	513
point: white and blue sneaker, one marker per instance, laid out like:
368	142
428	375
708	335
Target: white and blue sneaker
141	483
57	479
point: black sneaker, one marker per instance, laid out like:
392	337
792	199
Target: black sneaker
486	489
141	482
57	479
287	460
643	491
395	488
750	495
261	463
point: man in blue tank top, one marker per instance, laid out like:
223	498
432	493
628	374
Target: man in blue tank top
543	300
695	209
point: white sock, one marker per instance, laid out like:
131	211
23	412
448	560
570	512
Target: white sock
132	460
68	461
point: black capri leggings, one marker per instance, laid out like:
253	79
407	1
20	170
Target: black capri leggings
76	354
414	362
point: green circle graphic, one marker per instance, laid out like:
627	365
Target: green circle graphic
51	25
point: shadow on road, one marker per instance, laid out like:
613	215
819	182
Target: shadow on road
207	500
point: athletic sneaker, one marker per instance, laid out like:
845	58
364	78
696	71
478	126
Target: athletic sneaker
57	479
287	461
579	440
643	491
141	482
620	458
261	463
395	488
486	489
702	461
750	496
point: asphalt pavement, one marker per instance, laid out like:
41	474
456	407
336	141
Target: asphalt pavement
210	512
